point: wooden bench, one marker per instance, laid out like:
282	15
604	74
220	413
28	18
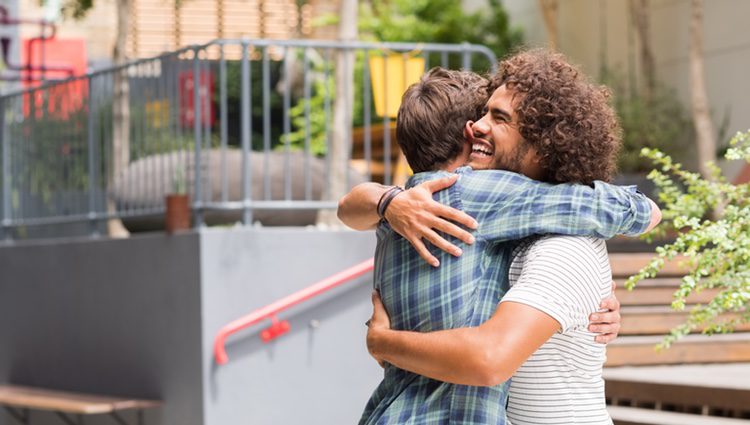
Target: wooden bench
18	401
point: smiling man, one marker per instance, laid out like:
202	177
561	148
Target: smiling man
465	290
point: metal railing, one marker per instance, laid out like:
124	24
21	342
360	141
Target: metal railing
246	127
270	311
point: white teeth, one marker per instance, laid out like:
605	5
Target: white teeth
481	149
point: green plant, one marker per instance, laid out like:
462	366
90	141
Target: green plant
659	122
179	185
712	220
434	21
440	21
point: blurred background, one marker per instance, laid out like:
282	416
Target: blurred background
170	172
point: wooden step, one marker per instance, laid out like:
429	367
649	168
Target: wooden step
639	350
684	387
658	291
659	320
628	264
636	416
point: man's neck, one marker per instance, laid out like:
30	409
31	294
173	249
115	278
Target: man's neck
453	165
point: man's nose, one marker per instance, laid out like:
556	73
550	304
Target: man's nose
480	127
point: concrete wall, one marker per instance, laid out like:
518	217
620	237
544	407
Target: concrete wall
118	317
137	317
319	373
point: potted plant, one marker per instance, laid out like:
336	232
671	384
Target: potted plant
177	215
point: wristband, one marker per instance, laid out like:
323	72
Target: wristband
386	199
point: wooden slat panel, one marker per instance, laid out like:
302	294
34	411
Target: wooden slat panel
635	416
657	320
717	397
624	265
658	296
691	349
68	402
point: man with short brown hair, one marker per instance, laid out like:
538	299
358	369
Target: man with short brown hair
463	291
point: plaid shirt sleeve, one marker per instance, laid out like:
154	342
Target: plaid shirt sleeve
511	206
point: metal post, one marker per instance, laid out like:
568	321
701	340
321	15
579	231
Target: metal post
197	207
5	223
92	162
223	125
266	125
246	116
466	56
367	114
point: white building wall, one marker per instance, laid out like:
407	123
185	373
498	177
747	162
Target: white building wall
585	24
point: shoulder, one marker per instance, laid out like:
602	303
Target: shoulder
425	176
566	253
559	244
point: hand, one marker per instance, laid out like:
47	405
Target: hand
414	215
606	322
378	322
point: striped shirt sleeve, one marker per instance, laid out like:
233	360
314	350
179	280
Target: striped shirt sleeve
511	206
563	277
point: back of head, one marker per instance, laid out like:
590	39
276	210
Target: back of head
565	117
433	113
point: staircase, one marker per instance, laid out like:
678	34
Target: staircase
647	316
699	380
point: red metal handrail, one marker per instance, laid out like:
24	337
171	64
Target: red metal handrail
277	327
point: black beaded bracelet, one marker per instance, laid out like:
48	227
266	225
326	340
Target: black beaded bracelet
386	199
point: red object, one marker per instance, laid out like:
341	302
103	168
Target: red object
744	175
277	327
187	98
62	59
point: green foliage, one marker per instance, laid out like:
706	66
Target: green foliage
315	132
660	122
76	9
716	250
439	21
234	93
430	21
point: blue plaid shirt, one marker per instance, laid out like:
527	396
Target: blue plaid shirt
465	291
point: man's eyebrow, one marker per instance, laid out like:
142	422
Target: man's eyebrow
502	112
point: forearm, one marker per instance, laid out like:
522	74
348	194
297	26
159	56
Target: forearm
457	356
522	207
358	208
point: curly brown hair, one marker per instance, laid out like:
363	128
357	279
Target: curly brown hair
433	111
565	117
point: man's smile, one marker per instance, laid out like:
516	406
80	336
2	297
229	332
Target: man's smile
481	148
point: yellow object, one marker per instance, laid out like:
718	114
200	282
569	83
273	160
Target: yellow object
391	75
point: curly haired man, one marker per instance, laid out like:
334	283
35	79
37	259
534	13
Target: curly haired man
543	120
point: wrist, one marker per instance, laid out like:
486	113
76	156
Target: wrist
385	200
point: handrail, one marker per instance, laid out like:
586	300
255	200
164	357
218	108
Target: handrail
277	328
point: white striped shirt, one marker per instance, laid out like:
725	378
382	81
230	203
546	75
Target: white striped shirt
565	277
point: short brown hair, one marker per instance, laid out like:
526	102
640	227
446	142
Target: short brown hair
433	112
566	118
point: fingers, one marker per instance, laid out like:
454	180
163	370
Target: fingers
441	243
605	338
610	304
606	324
614	286
453	230
441	183
422	250
605	317
457	216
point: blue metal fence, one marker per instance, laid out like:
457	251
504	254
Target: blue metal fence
243	126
